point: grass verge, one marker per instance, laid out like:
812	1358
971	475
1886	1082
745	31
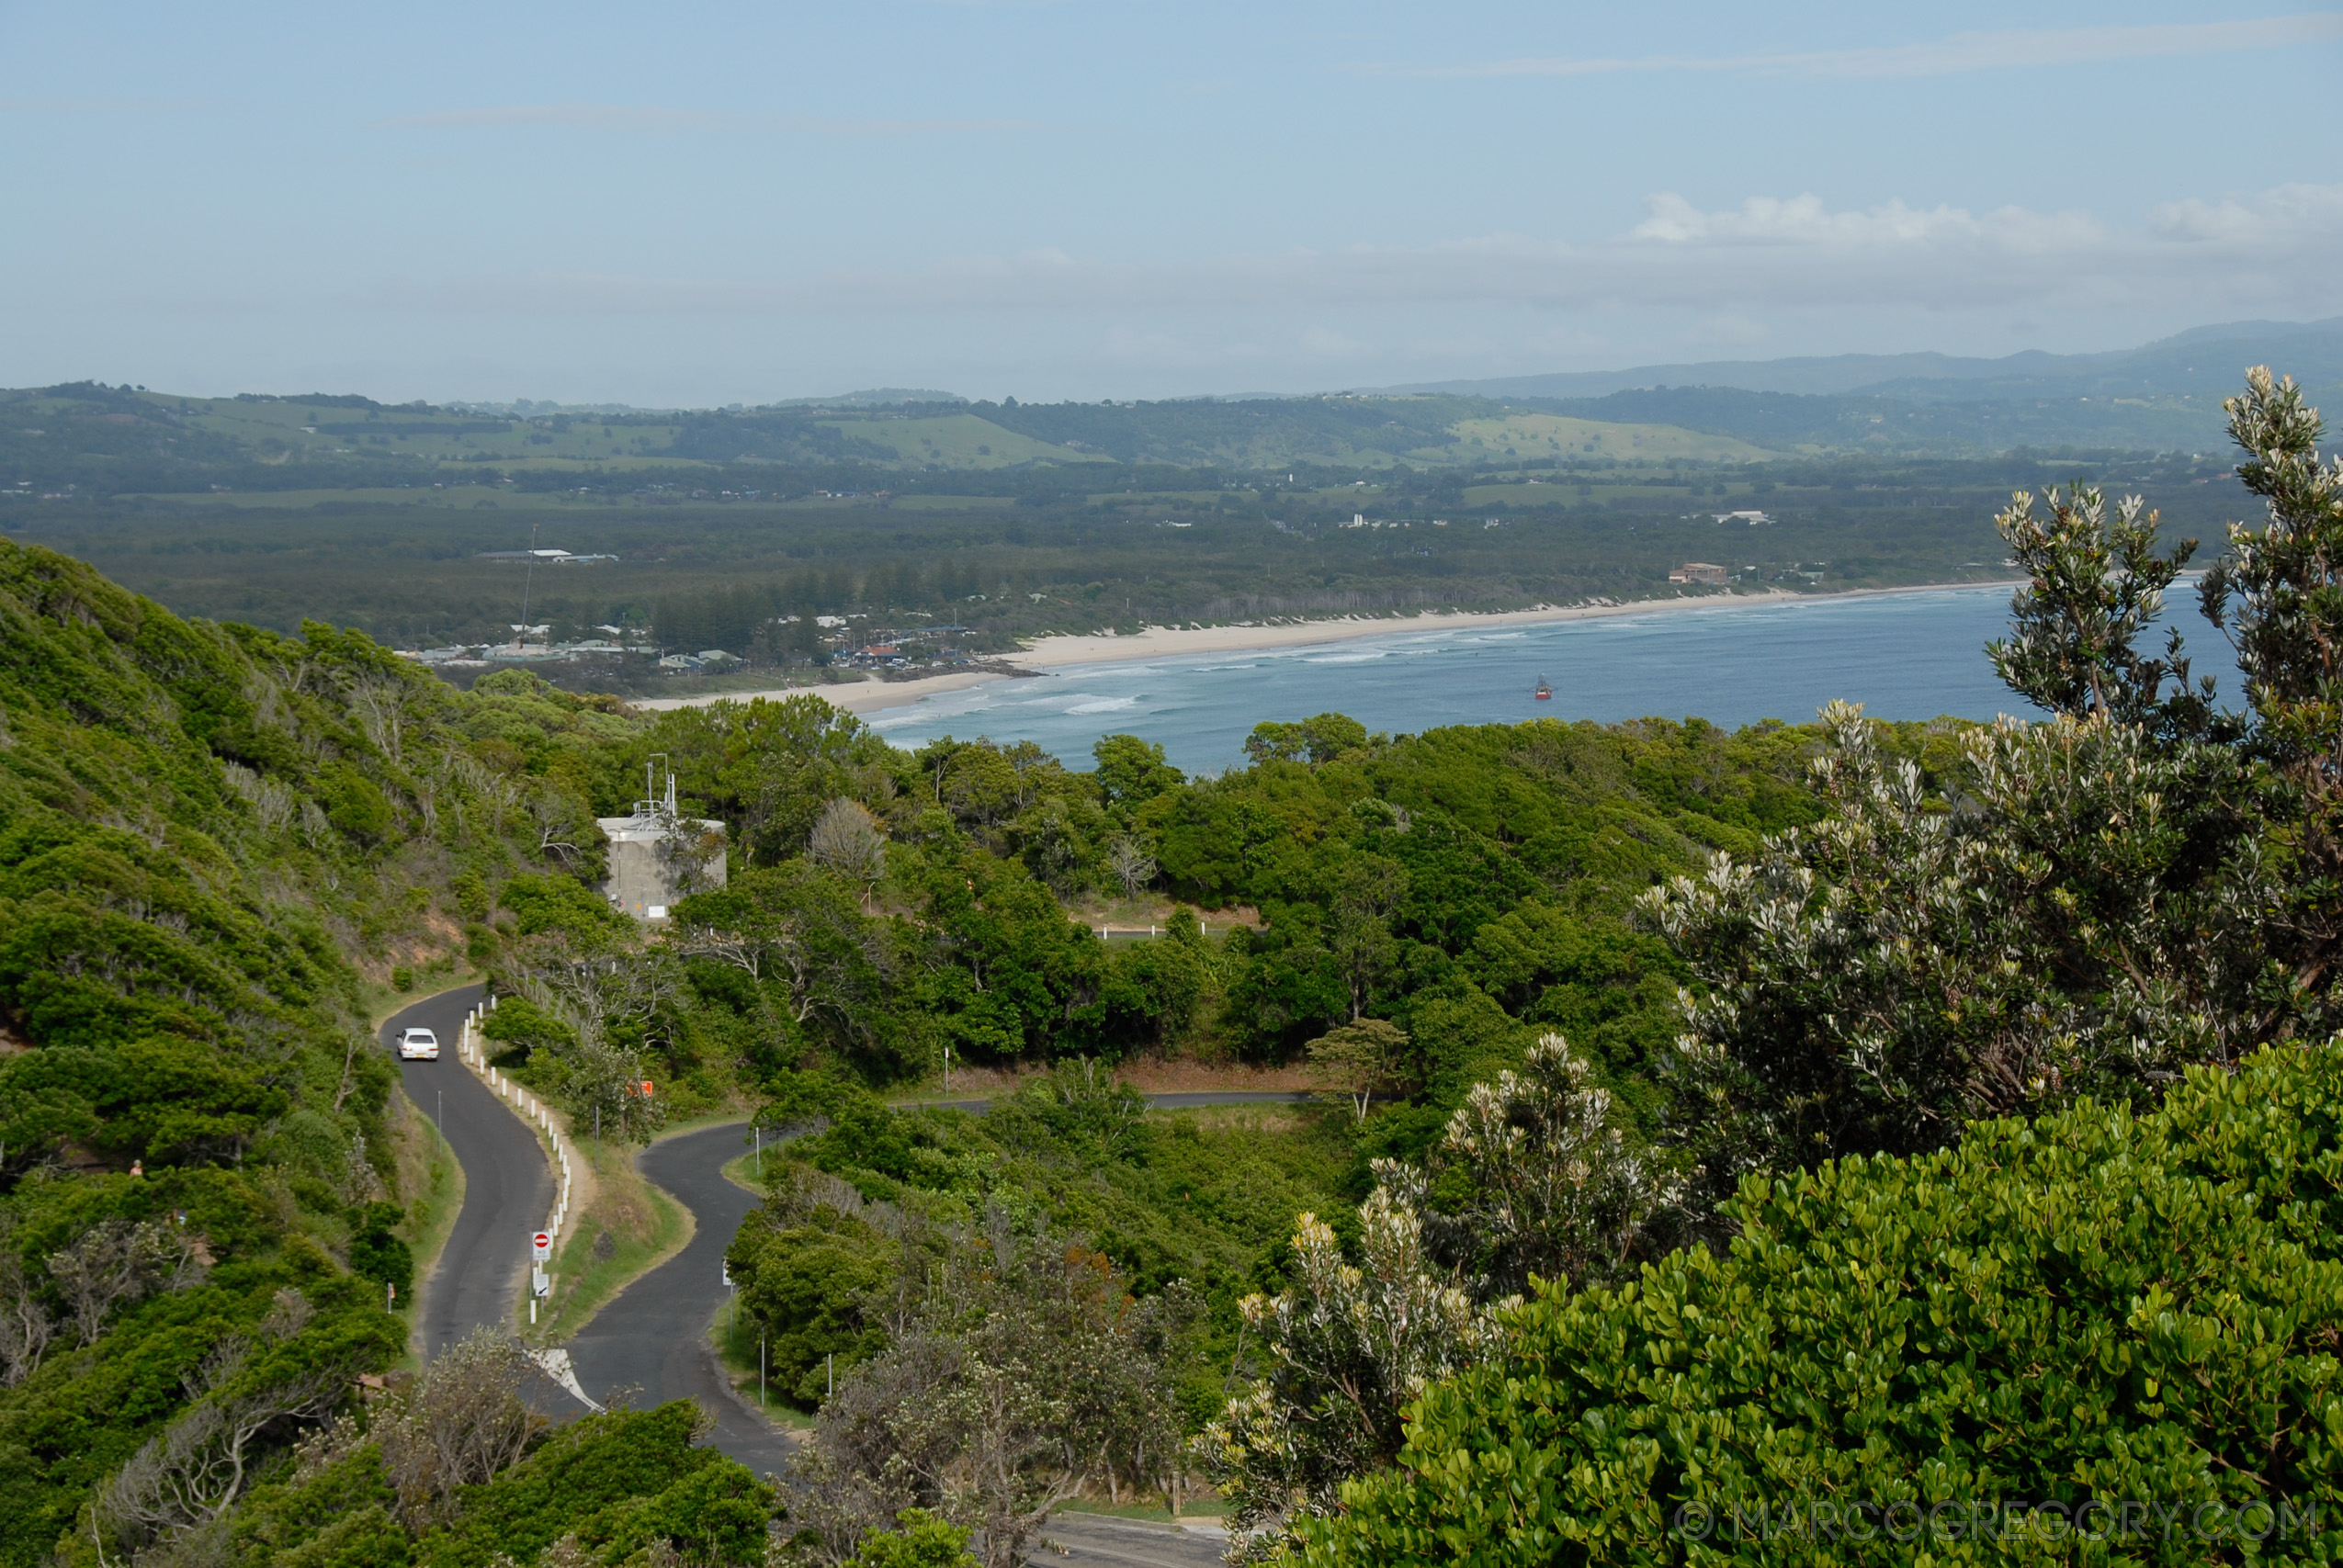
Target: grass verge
432	1183
744	1173
383	1002
1192	1507
735	1344
625	1228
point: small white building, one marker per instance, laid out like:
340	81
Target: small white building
658	857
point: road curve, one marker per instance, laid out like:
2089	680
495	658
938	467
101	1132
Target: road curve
653	1336
508	1191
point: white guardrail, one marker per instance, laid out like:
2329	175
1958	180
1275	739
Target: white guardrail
469	1048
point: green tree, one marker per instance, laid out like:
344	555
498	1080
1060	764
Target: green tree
1360	1060
2096	587
1551	1190
1313	740
1347	1348
799	935
379	1255
2279	598
806	1276
1132	772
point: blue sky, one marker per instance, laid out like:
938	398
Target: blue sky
1091	198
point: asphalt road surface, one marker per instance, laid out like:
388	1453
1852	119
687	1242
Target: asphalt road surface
653	1337
1105	1540
508	1191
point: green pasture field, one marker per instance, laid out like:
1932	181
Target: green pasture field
296	425
956	441
1552	436
1170	497
944	504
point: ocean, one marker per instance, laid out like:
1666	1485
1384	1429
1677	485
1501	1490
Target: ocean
1915	656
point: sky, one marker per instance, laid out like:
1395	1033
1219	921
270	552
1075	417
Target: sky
711	204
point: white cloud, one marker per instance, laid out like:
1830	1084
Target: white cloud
2275	217
1803	221
2275	248
1958	54
656	121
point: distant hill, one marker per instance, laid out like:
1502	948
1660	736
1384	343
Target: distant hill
2165	396
874	397
85	439
2199	361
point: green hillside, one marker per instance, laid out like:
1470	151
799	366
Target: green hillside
97	440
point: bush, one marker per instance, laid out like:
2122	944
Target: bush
614	1483
2093	1308
378	1255
924	1541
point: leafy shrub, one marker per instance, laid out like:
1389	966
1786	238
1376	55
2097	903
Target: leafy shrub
556	903
376	1254
924	1541
2096	1307
616	1482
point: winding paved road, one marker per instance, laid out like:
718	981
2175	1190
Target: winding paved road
652	1337
508	1191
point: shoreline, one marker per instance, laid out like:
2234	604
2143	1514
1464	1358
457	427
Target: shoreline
1070	649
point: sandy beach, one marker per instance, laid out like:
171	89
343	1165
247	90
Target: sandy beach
855	697
1248	636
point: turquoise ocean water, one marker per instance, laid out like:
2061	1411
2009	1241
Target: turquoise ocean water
1902	656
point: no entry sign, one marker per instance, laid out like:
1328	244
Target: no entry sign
541	1245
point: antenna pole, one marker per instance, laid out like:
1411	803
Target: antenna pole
528	576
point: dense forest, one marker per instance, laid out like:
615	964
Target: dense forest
1728	1143
1016	556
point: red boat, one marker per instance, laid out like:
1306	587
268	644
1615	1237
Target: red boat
1544	693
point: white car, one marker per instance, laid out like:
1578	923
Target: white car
418	1044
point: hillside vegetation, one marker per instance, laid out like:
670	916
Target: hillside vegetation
215	840
219	839
1821	1142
